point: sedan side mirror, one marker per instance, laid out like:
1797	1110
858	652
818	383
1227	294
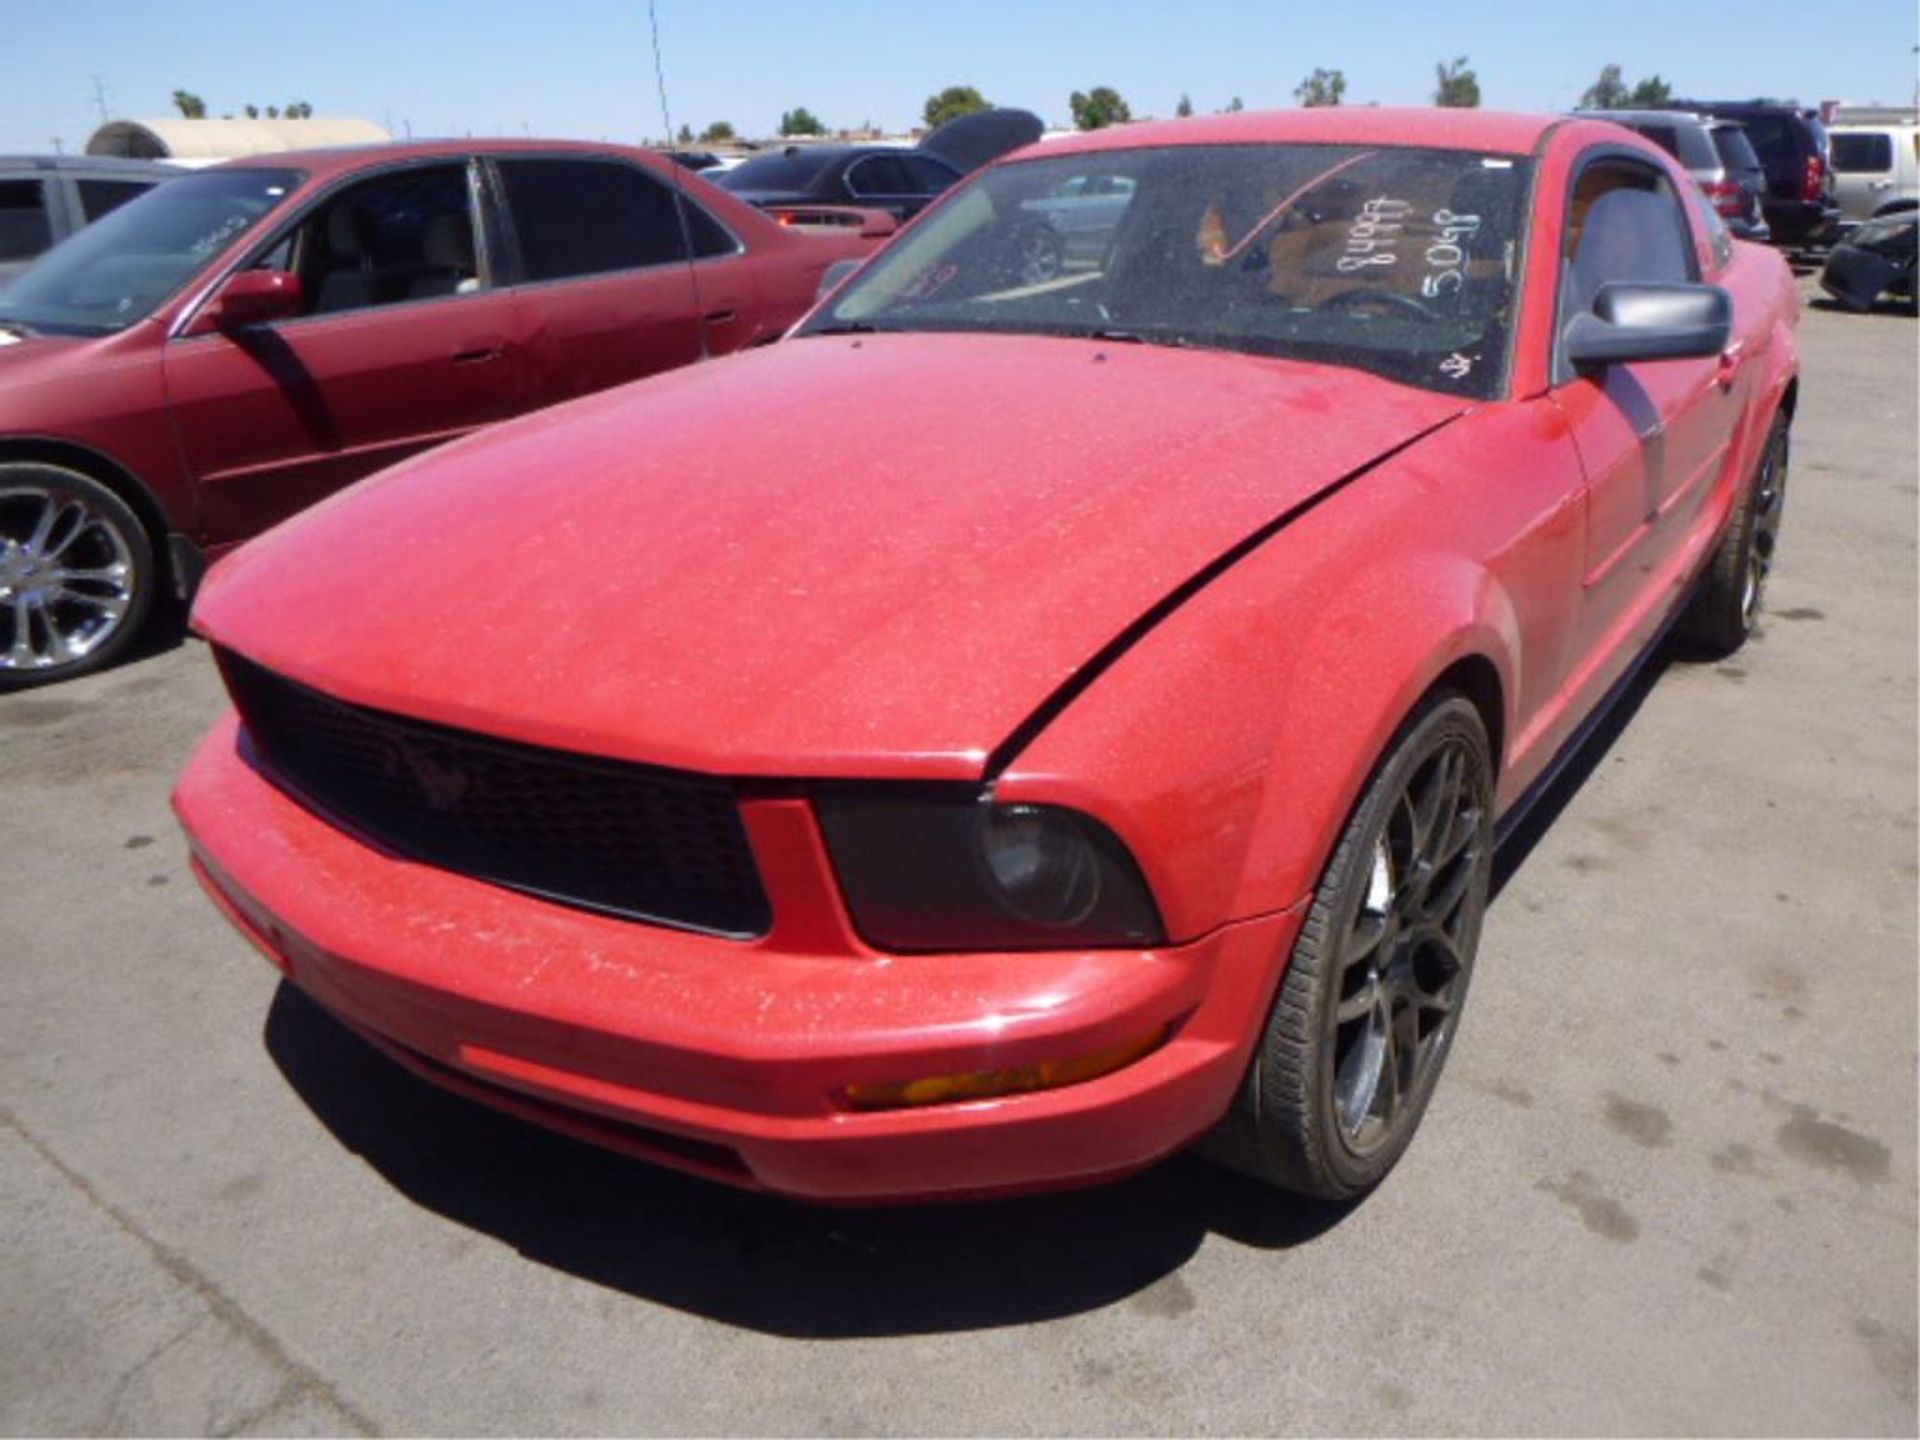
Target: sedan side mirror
1649	322
255	297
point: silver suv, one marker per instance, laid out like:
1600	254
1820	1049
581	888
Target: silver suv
1715	152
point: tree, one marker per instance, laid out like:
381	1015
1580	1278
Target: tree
800	121
298	110
951	103
1609	92
1185	107
718	133
1236	105
1652	91
1099	108
685	137
1322	87
1456	86
190	105
253	112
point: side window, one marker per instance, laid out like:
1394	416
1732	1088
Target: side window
928	177
398	237
709	236
25	229
879	175
590	217
1625	224
1862	152
100	197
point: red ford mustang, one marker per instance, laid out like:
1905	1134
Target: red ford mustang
225	350
1015	728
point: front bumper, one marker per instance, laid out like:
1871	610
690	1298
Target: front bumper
728	1058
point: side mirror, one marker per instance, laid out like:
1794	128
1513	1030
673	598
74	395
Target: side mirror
877	224
255	297
831	277
1649	322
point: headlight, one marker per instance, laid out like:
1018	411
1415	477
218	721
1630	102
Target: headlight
924	871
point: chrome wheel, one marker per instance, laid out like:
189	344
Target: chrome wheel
68	576
1769	501
1038	256
1403	965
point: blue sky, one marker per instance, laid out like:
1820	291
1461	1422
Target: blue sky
584	67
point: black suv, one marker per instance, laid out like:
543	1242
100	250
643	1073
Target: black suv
1792	145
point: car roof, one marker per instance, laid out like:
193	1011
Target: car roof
1493	131
90	164
338	159
1650	117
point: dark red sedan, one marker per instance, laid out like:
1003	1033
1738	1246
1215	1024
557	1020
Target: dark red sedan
224	351
1090	736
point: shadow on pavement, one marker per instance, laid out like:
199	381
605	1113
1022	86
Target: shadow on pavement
756	1261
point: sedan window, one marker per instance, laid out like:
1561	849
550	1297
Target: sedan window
880	175
402	236
114	273
589	217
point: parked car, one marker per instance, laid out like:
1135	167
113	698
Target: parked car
1876	167
1097	742
225	350
1876	258
902	181
45	198
1792	146
1716	153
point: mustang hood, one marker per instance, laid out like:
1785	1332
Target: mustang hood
865	557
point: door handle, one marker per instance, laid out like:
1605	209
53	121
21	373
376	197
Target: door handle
477	355
718	317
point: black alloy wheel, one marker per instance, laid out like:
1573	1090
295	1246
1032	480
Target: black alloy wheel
1373	991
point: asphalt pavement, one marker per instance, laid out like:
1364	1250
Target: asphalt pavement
1668	1184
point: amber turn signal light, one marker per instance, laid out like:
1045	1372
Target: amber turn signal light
985	1084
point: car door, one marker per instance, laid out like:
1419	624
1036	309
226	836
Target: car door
1650	434
403	344
602	289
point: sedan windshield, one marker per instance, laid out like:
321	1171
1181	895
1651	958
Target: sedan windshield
1395	260
115	272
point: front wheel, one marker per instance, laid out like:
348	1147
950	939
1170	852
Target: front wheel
77	574
1373	989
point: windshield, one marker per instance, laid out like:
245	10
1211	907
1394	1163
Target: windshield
1398	261
115	272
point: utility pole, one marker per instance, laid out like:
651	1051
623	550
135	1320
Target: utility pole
100	99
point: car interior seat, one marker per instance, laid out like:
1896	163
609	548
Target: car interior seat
350	280
446	245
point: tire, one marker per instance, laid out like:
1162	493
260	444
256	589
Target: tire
77	575
1373	991
1726	604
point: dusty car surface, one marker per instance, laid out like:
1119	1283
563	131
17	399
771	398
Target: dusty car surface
222	351
1097	746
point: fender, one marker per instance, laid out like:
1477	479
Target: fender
1230	744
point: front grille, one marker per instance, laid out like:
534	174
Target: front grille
629	840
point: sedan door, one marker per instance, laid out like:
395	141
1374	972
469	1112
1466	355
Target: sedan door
403	344
603	291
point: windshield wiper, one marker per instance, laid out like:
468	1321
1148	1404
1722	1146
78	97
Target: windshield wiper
851	327
1120	336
